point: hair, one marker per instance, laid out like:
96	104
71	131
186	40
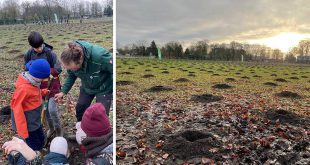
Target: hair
72	54
35	39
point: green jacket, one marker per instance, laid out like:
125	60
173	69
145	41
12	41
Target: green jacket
96	73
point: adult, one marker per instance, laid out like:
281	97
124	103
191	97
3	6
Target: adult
93	65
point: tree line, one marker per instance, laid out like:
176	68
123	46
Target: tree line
14	11
233	51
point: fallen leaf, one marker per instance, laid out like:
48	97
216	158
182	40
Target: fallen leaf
207	161
165	156
121	154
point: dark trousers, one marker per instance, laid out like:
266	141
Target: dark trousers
36	139
18	159
85	100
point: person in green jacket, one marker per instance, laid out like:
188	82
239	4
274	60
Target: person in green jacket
93	65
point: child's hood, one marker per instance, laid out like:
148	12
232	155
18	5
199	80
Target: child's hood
21	81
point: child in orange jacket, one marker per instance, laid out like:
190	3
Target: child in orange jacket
26	103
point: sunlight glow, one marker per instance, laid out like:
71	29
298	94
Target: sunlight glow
283	41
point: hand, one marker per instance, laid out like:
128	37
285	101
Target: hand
14	145
58	96
20	146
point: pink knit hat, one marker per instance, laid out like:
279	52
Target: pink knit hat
95	122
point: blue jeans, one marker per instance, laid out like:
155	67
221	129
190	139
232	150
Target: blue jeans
18	160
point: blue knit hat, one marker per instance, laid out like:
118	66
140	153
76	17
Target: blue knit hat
39	68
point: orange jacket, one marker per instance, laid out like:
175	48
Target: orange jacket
26	97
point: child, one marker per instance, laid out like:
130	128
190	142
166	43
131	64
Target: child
41	50
98	141
26	103
58	152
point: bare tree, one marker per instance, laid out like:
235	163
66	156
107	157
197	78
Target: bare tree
25	6
95	9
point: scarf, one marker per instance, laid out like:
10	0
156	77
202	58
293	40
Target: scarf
28	77
94	145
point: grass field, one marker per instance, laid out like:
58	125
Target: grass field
14	44
199	112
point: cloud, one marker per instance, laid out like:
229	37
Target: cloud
224	20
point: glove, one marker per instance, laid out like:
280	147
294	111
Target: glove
44	92
54	72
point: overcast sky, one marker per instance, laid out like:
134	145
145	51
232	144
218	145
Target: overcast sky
215	20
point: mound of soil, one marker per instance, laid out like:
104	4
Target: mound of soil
191	143
165	72
14	51
271	84
131	68
4	47
148	76
192	75
222	86
191	72
237	73
126	73
159	88
206	98
245	77
124	82
284	116
288	94
181	80
280	80
294	78
98	41
19	56
148	70
230	79
257	76
215	74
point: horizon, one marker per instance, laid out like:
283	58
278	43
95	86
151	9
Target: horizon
277	24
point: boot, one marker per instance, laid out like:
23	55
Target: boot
59	131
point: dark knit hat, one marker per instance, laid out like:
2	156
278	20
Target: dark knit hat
39	68
95	122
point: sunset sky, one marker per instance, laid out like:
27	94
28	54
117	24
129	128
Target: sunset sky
275	23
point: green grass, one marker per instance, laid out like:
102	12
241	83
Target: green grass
14	44
204	80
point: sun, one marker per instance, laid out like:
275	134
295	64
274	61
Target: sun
283	41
